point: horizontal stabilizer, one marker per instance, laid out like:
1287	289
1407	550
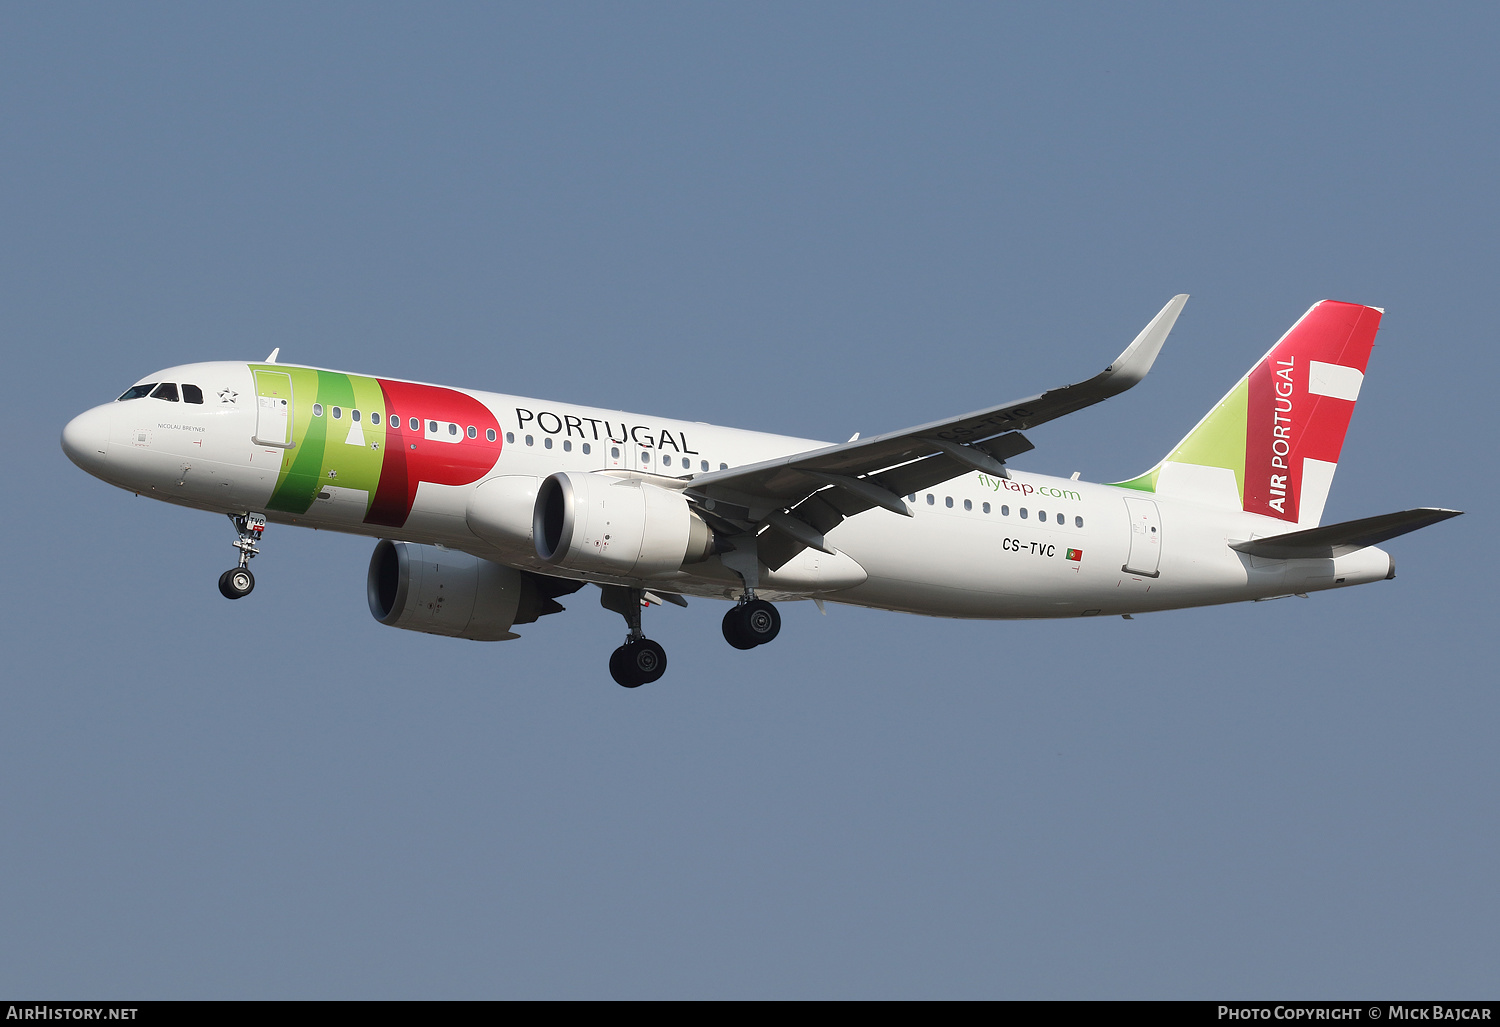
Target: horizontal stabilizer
1342	539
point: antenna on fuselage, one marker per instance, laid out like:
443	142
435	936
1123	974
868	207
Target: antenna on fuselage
272	358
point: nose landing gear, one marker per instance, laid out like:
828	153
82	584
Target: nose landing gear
238	582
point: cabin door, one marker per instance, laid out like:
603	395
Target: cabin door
1145	538
273	409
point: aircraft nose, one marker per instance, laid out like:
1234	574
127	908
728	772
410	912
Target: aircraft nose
86	439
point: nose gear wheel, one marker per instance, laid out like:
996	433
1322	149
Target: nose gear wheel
238	582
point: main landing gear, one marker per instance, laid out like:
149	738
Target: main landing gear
238	582
753	622
639	661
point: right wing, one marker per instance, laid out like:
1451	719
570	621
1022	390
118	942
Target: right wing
804	496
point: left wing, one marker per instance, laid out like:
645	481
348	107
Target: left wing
802	497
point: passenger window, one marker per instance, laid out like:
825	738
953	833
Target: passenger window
723	467
137	391
567	445
192	394
452	429
614	452
667	459
473	432
1061	519
354	414
645	458
587	449
530	440
1005	511
489	434
414	424
547	442
703	464
337	413
510	436
166	391
930	499
948	502
986	508
1078	522
968	504
912	498
374	418
1023	513
317	409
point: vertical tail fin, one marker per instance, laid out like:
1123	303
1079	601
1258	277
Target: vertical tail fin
1272	444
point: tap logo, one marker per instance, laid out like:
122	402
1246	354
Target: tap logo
380	437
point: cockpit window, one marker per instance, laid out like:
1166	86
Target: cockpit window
166	391
137	391
192	394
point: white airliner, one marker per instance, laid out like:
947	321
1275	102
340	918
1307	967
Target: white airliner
489	507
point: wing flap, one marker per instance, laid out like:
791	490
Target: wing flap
921	474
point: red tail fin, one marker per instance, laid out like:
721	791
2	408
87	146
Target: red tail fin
1301	399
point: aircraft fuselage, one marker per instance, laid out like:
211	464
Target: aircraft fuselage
405	461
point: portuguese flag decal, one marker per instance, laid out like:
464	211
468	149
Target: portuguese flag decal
1075	555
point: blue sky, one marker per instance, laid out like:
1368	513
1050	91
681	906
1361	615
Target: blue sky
812	219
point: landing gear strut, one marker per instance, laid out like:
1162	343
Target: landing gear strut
639	661
238	582
753	622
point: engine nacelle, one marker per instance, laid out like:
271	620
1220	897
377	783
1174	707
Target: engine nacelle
596	522
500	511
443	591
